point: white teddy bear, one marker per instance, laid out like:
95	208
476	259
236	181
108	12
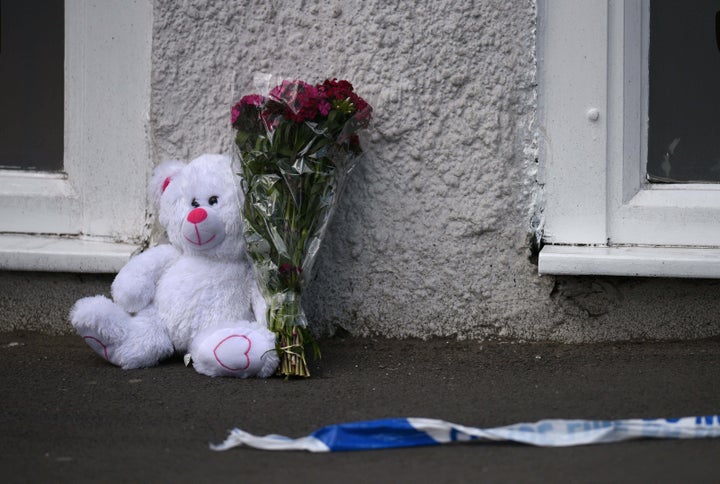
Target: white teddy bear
198	293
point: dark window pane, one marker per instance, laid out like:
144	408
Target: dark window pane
32	84
684	98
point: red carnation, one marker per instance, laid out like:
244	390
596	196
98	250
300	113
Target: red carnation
245	113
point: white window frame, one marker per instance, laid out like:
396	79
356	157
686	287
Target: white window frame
601	215
93	215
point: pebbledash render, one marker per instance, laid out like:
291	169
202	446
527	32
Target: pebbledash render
436	234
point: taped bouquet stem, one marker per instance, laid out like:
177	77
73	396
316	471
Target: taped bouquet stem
287	320
291	347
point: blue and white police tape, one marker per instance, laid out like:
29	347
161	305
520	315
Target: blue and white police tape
414	432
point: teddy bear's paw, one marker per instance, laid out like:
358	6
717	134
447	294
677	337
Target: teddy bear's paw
100	322
97	345
242	351
123	340
133	295
134	286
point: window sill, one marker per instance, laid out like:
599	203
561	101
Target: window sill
630	261
61	254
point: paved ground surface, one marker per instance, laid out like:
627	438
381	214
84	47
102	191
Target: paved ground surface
67	416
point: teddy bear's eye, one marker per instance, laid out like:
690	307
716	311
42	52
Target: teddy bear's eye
213	200
194	203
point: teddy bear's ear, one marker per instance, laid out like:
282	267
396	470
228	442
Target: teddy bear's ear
162	177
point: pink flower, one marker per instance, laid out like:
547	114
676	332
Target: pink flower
301	100
335	90
271	120
253	100
291	93
296	101
324	107
246	110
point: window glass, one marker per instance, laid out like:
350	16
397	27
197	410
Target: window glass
684	91
31	84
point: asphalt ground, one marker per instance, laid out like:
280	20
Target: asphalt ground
67	416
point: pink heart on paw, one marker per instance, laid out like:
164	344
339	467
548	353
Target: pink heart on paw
97	345
230	352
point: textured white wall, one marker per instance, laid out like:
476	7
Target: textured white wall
432	236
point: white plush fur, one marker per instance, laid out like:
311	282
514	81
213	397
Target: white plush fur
198	293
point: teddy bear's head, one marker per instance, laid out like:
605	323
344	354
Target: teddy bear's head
199	206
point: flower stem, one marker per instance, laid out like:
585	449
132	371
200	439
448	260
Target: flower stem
292	353
287	320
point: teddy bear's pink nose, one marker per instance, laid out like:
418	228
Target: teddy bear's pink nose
197	216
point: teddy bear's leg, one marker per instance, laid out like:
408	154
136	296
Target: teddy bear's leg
146	343
101	323
123	340
241	350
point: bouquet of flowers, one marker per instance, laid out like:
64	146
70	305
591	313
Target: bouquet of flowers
295	145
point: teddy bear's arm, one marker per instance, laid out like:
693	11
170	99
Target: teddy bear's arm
134	286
